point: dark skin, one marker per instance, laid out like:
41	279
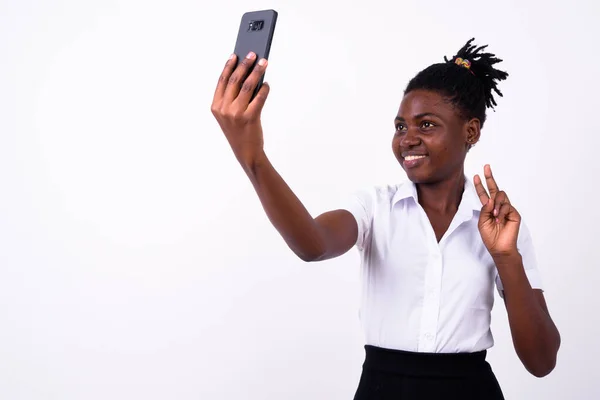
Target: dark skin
426	125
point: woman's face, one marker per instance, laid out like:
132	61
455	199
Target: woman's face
431	138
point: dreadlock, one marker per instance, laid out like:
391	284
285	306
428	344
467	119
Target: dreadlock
468	80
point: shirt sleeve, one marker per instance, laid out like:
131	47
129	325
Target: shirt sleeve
360	205
527	251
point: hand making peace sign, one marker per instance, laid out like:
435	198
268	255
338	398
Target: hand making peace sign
499	221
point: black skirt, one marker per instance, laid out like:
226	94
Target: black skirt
401	375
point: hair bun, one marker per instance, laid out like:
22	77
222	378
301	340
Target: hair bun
481	65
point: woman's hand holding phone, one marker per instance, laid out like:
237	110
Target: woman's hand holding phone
236	112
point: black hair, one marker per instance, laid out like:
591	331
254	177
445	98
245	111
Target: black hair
469	89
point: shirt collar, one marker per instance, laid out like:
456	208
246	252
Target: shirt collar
470	200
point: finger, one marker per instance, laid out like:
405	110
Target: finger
486	210
250	83
490	181
217	103
499	200
224	78
256	106
503	212
480	189
238	77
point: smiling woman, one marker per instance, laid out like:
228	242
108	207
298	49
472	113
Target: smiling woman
438	139
433	249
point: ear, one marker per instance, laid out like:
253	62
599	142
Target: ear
473	132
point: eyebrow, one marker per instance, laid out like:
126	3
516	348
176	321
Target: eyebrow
419	116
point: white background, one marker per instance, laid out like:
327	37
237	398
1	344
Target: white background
135	259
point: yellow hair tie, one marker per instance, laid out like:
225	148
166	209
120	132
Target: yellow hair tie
463	63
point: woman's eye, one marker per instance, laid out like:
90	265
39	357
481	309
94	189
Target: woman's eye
427	124
400	127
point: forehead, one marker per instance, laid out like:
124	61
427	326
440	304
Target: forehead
419	102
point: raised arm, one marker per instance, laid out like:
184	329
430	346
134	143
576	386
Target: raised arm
535	336
312	239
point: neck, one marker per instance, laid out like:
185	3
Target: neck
443	196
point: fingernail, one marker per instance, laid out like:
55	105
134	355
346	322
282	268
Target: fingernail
250	55
497	220
262	62
231	57
495	212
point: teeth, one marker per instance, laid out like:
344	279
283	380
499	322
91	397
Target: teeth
411	158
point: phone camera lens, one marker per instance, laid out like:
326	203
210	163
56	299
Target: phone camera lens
255	25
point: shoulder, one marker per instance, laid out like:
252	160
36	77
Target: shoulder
364	203
382	194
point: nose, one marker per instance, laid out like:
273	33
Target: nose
410	139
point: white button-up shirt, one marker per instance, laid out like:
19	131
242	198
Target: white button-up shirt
418	294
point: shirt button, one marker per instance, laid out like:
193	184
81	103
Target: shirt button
428	336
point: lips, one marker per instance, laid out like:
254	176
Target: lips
413	160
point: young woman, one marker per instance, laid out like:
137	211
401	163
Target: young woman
433	249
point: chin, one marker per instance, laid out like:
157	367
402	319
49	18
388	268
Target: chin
420	180
419	176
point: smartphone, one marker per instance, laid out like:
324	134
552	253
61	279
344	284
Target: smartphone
256	35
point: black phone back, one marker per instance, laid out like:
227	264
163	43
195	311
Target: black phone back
256	35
